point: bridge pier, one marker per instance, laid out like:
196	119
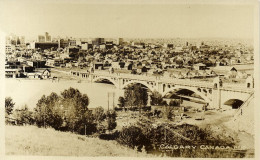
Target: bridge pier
216	99
120	92
216	93
120	83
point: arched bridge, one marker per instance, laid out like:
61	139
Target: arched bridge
214	93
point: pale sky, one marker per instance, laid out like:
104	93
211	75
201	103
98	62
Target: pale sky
125	20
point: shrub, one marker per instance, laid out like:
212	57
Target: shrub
132	137
175	102
156	98
23	116
112	136
9	105
111	120
185	134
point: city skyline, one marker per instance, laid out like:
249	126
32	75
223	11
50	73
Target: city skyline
129	21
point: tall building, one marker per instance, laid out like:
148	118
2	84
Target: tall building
78	42
8	40
98	41
41	38
14	40
9	48
120	41
11	39
22	40
72	42
47	37
63	43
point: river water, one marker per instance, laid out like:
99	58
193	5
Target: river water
30	91
25	91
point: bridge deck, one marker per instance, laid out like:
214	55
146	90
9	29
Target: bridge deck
184	82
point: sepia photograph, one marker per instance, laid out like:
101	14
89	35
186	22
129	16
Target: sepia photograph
171	79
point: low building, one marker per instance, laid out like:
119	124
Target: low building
141	69
86	46
115	65
232	72
34	75
27	68
37	64
39	74
45	45
12	64
50	62
72	50
46	74
199	66
98	65
12	73
128	66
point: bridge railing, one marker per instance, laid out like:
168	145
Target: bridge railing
189	82
176	81
237	88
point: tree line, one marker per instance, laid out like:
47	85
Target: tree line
66	112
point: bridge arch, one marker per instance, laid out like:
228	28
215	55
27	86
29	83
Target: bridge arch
204	97
141	82
234	103
108	79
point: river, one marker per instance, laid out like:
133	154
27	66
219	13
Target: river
28	92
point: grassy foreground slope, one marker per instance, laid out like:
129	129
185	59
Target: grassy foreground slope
30	140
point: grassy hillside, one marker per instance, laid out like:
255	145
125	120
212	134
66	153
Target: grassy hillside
30	140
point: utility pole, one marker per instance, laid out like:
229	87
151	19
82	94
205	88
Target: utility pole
165	134
108	101
113	99
85	130
44	116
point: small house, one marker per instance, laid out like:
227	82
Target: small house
46	74
232	72
199	66
141	69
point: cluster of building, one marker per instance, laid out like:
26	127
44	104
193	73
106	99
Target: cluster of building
171	58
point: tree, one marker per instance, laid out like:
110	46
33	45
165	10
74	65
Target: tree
164	103
75	108
156	98
173	103
133	136
24	115
66	112
111	120
99	114
179	62
9	105
133	71
136	95
169	112
48	111
85	124
121	102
